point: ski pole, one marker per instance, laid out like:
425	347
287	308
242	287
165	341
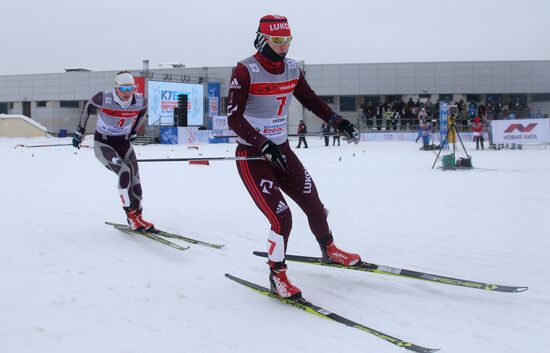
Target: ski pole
258	158
50	145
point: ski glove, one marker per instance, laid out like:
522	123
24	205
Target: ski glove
133	136
78	137
273	154
350	131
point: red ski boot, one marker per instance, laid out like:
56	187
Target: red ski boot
149	227
280	284
332	254
134	220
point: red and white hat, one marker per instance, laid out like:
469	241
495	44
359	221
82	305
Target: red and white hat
274	25
271	25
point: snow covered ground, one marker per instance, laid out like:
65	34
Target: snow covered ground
69	283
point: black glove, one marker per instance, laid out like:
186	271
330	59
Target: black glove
78	137
273	154
350	131
133	136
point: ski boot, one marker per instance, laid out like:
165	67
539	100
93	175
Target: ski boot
149	227
280	284
133	221
331	254
136	221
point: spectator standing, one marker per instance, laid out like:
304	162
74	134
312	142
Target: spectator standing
426	128
422	116
477	129
325	129
369	114
395	119
387	118
379	115
302	131
335	138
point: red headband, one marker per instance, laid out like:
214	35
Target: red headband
274	25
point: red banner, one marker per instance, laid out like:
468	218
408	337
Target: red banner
140	83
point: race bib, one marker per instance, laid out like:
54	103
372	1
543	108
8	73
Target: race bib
270	128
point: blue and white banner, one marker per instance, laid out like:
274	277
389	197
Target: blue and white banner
169	135
163	98
443	125
192	135
219	122
214	89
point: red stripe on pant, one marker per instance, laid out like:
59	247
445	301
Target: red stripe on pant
256	194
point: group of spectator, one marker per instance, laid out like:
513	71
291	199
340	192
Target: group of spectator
398	115
325	131
424	117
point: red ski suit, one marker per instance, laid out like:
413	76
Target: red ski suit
266	182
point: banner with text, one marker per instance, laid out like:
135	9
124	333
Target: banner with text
163	98
214	89
524	131
443	121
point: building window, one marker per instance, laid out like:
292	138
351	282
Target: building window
473	98
3	108
521	98
328	99
446	97
542	97
373	99
68	104
393	98
10	105
41	104
424	95
347	104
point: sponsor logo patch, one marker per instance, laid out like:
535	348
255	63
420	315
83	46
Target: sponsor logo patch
281	207
234	84
265	184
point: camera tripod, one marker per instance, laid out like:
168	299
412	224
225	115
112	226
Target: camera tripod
452	129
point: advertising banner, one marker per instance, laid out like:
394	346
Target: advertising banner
169	135
443	115
213	98
192	135
220	127
524	131
140	84
219	122
163	98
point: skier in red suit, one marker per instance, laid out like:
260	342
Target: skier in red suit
260	91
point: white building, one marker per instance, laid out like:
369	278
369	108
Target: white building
55	100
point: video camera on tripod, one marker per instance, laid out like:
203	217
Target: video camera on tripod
449	161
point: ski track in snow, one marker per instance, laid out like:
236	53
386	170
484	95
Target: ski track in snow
72	284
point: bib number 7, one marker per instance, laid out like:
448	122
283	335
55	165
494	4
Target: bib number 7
282	101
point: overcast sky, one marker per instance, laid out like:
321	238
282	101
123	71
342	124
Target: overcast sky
39	36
